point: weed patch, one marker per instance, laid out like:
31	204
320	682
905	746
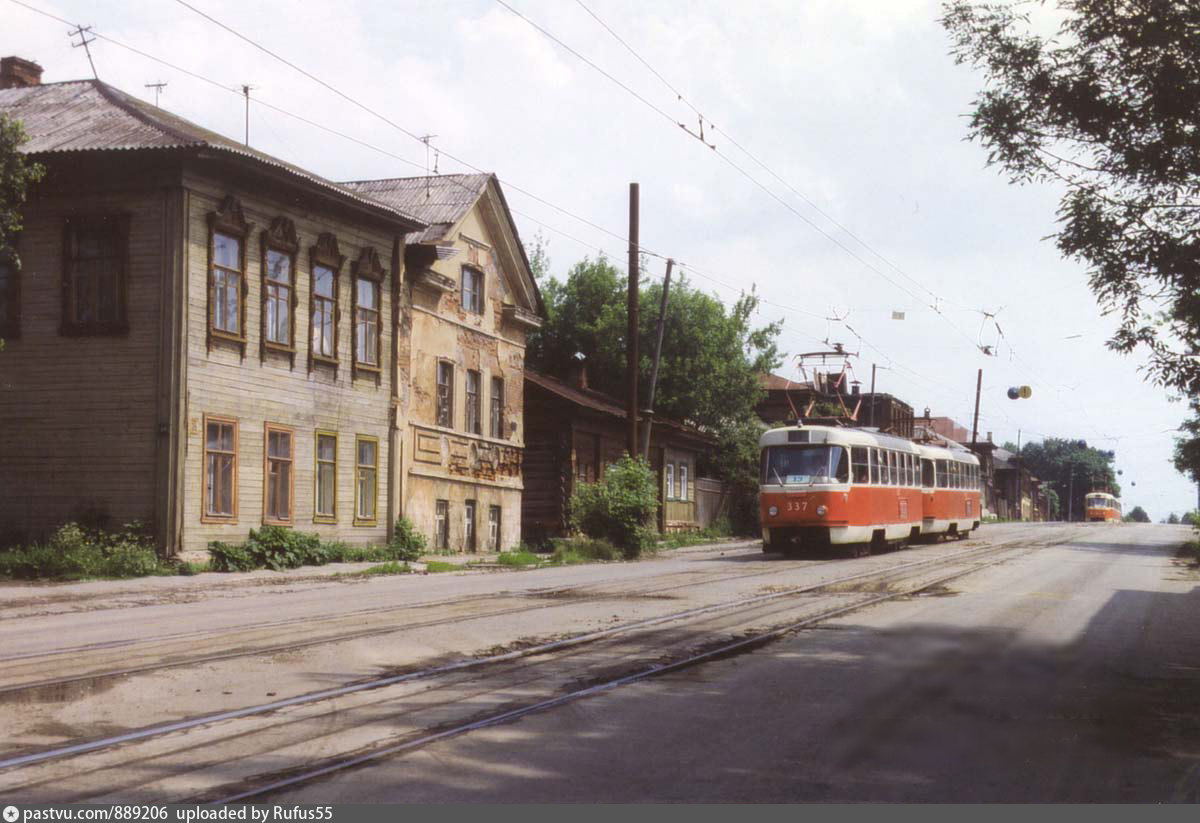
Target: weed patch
519	559
391	567
436	566
77	553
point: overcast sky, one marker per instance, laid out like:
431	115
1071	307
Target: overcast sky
854	103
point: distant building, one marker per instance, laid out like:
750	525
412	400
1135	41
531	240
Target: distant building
573	433
786	400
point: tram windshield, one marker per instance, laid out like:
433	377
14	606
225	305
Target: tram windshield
809	464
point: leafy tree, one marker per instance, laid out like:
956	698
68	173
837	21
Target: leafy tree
1172	518
1072	466
1186	456
619	507
711	359
1138	515
1188	518
16	175
1108	108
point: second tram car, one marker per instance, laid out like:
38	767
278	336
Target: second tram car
1102	506
823	486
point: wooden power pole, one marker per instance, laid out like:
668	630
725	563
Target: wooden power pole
975	425
662	322
631	338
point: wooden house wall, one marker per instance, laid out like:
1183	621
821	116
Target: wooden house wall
78	429
255	389
448	462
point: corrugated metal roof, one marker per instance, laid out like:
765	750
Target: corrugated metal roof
89	115
773	382
441	200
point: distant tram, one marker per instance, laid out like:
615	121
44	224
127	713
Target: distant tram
823	486
1102	507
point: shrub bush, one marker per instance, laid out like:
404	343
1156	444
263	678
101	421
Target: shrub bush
619	507
407	544
74	552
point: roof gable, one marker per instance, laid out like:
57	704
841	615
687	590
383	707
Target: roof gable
89	115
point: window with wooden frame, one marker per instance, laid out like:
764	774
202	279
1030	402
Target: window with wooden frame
366	480
472	290
683	482
326	262
670	481
441	524
469	526
325	474
445	394
10	297
368	280
497	428
279	247
473	402
95	275
228	232
219	495
494	528
278	474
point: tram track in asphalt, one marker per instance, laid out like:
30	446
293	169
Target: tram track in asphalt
176	650
481	669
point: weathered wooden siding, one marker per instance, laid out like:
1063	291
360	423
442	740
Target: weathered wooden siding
257	390
447	462
78	414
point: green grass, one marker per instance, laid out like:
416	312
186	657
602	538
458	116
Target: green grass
519	559
392	567
436	566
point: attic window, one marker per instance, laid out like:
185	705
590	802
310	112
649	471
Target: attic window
472	290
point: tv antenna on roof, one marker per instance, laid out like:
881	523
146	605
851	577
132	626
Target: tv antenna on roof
82	33
425	138
158	87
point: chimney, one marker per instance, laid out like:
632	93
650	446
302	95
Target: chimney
579	372
19	73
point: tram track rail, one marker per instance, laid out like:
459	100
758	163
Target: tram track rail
11	666
855	587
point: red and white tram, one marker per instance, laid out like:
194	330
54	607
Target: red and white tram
823	486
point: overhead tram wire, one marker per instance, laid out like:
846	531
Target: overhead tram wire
358	141
683	99
728	160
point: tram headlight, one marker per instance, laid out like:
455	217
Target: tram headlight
773	510
821	511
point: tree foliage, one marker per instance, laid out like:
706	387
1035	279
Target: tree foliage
619	507
1108	108
1186	455
17	174
1072	467
1173	518
1137	515
712	356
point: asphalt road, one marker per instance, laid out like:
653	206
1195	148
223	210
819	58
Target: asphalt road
1070	674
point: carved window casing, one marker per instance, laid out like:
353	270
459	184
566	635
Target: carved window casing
219	495
326	262
278	474
368	282
228	233
279	248
366	480
95	275
325	478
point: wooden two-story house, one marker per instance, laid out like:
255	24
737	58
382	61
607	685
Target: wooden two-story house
473	299
202	336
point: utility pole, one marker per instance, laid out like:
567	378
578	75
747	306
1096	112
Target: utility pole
662	322
871	413
975	425
631	335
1071	497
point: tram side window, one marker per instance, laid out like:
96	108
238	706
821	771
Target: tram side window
953	475
894	468
942	477
860	464
874	466
890	457
908	469
843	466
927	474
958	475
885	467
